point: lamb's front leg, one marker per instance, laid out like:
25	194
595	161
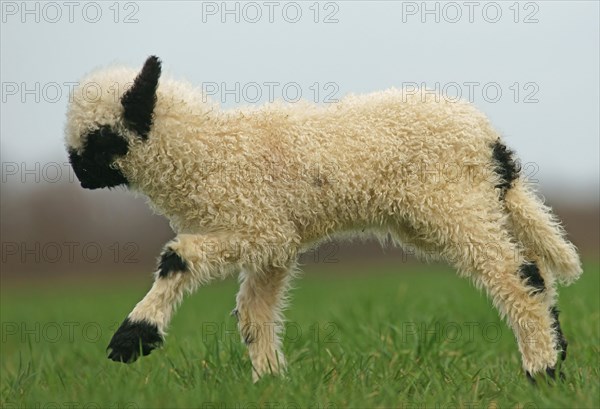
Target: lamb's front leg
187	262
259	303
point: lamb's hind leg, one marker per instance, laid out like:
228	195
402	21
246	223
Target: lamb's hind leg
259	303
515	285
550	298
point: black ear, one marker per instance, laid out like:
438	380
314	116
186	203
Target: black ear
140	99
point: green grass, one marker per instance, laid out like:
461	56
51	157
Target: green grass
418	339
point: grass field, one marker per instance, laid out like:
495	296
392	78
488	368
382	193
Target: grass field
417	339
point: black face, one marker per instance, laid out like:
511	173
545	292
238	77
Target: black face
103	145
93	166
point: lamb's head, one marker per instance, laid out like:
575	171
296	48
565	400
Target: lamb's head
110	113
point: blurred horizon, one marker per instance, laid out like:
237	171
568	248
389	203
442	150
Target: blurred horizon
62	230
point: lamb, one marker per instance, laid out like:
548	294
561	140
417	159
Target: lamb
247	191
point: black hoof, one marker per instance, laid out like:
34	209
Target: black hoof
133	339
550	376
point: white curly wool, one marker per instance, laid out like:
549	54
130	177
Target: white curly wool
248	190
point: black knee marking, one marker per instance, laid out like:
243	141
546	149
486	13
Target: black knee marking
561	341
531	274
506	167
133	339
171	262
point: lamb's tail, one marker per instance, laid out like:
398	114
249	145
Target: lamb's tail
534	224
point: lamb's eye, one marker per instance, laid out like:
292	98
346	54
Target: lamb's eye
106	143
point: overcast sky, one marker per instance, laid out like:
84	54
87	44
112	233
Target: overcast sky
532	67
